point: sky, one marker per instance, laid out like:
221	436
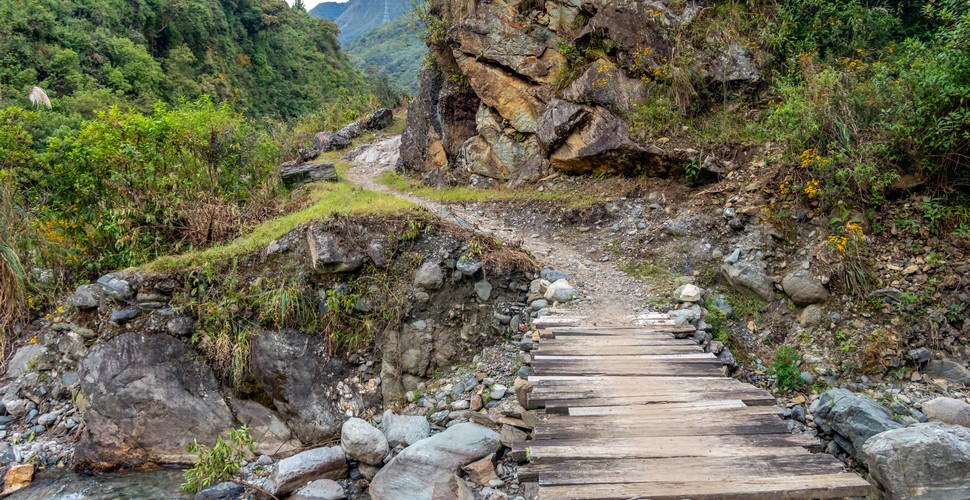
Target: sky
313	3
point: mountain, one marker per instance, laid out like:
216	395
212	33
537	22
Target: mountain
329	10
362	16
393	48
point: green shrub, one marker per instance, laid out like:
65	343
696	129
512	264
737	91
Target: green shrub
785	368
219	463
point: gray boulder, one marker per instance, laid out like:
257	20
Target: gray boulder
180	326
86	297
748	277
294	369
404	430
363	442
852	419
949	370
561	291
803	288
380	120
329	141
319	171
948	410
923	461
115	287
271	434
147	398
351	131
330	253
430	463
23	360
429	276
558	122
321	489
296	471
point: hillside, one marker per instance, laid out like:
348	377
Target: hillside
393	48
360	17
329	10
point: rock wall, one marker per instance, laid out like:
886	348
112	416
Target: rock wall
519	89
124	371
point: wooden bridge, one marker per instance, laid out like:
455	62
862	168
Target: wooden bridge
641	412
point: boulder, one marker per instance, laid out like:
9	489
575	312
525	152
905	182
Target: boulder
222	491
86	297
379	120
605	84
810	316
602	145
430	463
296	175
23	360
748	277
404	430
852	418
948	410
295	370
733	63
948	370
561	291
271	434
329	141
922	461
351	131
296	471
513	98
557	123
803	288
147	398
116	288
321	489
330	252
429	276
363	442
689	293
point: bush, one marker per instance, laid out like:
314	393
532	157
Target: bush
785	368
219	463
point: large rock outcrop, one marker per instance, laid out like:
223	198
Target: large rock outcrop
147	397
852	419
923	461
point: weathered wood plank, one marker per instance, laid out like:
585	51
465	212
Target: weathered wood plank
660	408
643	340
587	427
556	404
558	450
626	357
610	350
687	368
838	485
603	332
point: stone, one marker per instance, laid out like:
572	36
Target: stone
689	293
557	123
510	435
487	36
605	84
733	63
683	316
180	326
948	370
363	442
329	141
431	463
379	120
222	491
18	476
484	290
601	145
404	430
321	489
810	316
561	291
803	288
86	297
523	388
147	397
920	356
267	428
947	410
122	316
922	461
512	97
330	253
295	371
853	418
115	287
350	131
23	360
468	266
750	278
297	175
482	471
429	276
296	471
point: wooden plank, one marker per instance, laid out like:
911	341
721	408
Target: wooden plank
639	388
609	350
555	321
650	470
558	450
609	379
688	368
671	413
837	485
641	330
554	405
660	408
620	429
626	357
643	340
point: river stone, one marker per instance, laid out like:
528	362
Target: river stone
949	370
853	418
271	434
749	278
295	371
318	463
484	290
429	276
925	461
404	430
321	489
431	462
222	491
803	288
363	442
561	291
148	397
86	297
948	410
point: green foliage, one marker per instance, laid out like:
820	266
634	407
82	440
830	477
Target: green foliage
219	463
395	50
785	368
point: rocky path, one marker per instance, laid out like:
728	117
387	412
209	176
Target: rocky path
605	289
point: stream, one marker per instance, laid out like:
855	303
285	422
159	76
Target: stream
154	484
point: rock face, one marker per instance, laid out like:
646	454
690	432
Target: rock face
428	465
923	461
295	175
295	371
852	419
803	288
147	398
272	435
564	113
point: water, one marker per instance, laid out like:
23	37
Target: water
158	484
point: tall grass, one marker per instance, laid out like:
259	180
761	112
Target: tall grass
12	275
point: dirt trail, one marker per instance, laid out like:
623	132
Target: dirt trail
607	292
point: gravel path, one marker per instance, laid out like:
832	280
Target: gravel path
607	297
